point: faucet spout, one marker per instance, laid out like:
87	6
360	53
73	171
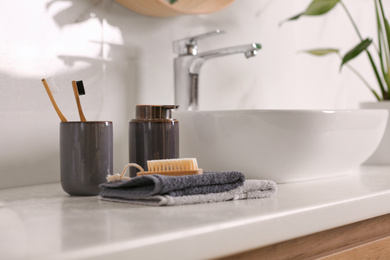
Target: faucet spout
249	50
188	64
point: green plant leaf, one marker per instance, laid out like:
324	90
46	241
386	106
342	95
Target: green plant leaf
387	30
294	17
321	52
172	1
362	46
383	51
316	7
387	73
386	39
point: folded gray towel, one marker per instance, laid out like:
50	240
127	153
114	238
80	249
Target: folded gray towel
149	185
252	189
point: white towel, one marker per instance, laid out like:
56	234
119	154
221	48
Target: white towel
252	189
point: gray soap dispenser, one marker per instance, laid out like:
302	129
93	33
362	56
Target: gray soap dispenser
153	135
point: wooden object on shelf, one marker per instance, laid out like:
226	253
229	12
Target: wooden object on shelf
161	8
367	239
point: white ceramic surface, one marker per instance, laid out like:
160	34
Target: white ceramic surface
381	156
281	145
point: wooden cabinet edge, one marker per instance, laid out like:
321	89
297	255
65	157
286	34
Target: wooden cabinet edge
364	237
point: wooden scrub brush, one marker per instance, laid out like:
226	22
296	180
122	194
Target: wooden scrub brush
170	167
173	167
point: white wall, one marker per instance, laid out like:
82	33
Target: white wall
126	59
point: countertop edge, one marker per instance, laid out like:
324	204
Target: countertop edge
290	226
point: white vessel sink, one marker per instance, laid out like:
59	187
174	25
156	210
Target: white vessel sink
281	145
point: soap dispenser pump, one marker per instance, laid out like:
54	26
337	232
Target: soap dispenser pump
153	135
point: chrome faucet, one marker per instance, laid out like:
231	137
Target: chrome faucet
189	62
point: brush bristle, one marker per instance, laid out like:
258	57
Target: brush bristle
52	85
187	164
80	87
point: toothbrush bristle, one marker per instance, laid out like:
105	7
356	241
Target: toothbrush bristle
52	85
80	87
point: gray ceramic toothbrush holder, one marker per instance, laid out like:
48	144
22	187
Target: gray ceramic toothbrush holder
86	156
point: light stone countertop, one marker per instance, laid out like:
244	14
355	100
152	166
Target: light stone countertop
42	222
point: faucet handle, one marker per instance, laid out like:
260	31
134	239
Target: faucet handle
189	45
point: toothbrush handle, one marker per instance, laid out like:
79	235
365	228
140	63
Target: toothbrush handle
76	95
62	117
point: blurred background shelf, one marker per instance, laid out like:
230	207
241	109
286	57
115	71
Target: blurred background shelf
162	8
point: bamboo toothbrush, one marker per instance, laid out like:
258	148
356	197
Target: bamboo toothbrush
78	89
170	167
50	86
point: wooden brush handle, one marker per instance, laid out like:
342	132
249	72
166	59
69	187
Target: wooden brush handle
62	117
76	95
